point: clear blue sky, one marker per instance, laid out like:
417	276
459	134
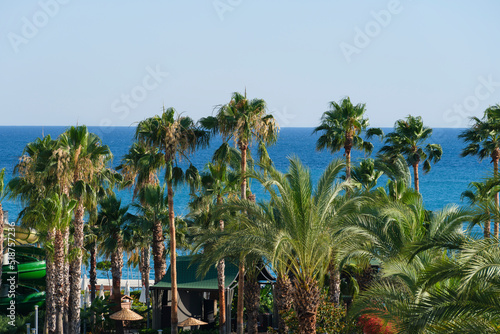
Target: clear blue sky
118	62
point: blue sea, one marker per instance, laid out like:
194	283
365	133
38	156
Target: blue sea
443	185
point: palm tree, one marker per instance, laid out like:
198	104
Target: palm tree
483	140
138	246
218	180
426	292
153	214
244	121
252	293
466	297
87	158
111	221
293	232
482	197
389	228
175	138
408	139
366	174
103	184
53	215
341	127
38	178
406	239
140	168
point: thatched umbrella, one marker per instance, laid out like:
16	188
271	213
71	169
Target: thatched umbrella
126	314
191	322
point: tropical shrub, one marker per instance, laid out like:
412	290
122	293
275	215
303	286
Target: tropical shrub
374	325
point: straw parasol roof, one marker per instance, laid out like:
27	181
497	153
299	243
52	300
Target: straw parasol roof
191	322
125	314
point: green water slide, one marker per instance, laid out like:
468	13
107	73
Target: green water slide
21	269
24	299
21	259
25	267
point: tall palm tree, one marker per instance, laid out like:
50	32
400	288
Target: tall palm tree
175	138
218	180
341	127
53	215
481	196
140	168
408	139
111	221
103	184
38	178
138	246
483	140
153	214
244	121
87	158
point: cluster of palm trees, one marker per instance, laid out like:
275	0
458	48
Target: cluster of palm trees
433	276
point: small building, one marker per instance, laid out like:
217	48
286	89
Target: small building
197	298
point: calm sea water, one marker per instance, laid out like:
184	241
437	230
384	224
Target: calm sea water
443	185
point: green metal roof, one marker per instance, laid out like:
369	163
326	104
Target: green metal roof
187	278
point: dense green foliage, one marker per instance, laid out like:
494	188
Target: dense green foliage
348	238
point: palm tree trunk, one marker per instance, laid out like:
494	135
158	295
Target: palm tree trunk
76	272
93	271
240	329
283	299
365	278
50	309
145	258
334	291
173	257
347	150
243	149
241	270
66	281
307	299
158	251
496	156
59	280
252	302
487	226
221	266
415	177
116	273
